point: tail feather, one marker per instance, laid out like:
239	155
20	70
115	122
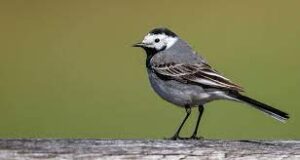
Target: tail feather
273	112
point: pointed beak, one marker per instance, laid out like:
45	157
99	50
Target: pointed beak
140	44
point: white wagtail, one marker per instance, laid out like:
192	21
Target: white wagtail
182	77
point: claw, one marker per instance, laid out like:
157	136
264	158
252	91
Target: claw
194	137
175	137
184	138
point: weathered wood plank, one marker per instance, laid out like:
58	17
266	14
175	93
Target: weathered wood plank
15	149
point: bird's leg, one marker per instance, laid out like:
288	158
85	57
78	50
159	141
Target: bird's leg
201	110
188	112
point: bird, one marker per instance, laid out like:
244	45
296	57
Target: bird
181	76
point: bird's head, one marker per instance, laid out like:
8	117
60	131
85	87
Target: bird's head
157	40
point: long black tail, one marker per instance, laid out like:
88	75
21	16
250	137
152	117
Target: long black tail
275	113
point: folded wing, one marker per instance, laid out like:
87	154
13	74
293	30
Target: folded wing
201	74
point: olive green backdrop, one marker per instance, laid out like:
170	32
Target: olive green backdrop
67	69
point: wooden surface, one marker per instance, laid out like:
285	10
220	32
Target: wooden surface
12	149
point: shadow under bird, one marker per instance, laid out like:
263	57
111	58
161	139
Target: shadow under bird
182	77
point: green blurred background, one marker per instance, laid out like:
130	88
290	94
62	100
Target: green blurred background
67	69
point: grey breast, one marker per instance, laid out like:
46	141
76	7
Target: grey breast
176	92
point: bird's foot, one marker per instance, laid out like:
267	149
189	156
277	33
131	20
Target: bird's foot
195	137
176	137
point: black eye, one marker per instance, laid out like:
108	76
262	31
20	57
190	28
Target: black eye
156	40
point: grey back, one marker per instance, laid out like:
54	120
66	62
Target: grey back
180	52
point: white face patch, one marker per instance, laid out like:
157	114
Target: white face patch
159	41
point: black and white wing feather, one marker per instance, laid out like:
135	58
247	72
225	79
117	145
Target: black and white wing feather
201	74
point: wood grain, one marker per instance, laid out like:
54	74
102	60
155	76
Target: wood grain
17	149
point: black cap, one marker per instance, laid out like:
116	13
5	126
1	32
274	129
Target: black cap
165	31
